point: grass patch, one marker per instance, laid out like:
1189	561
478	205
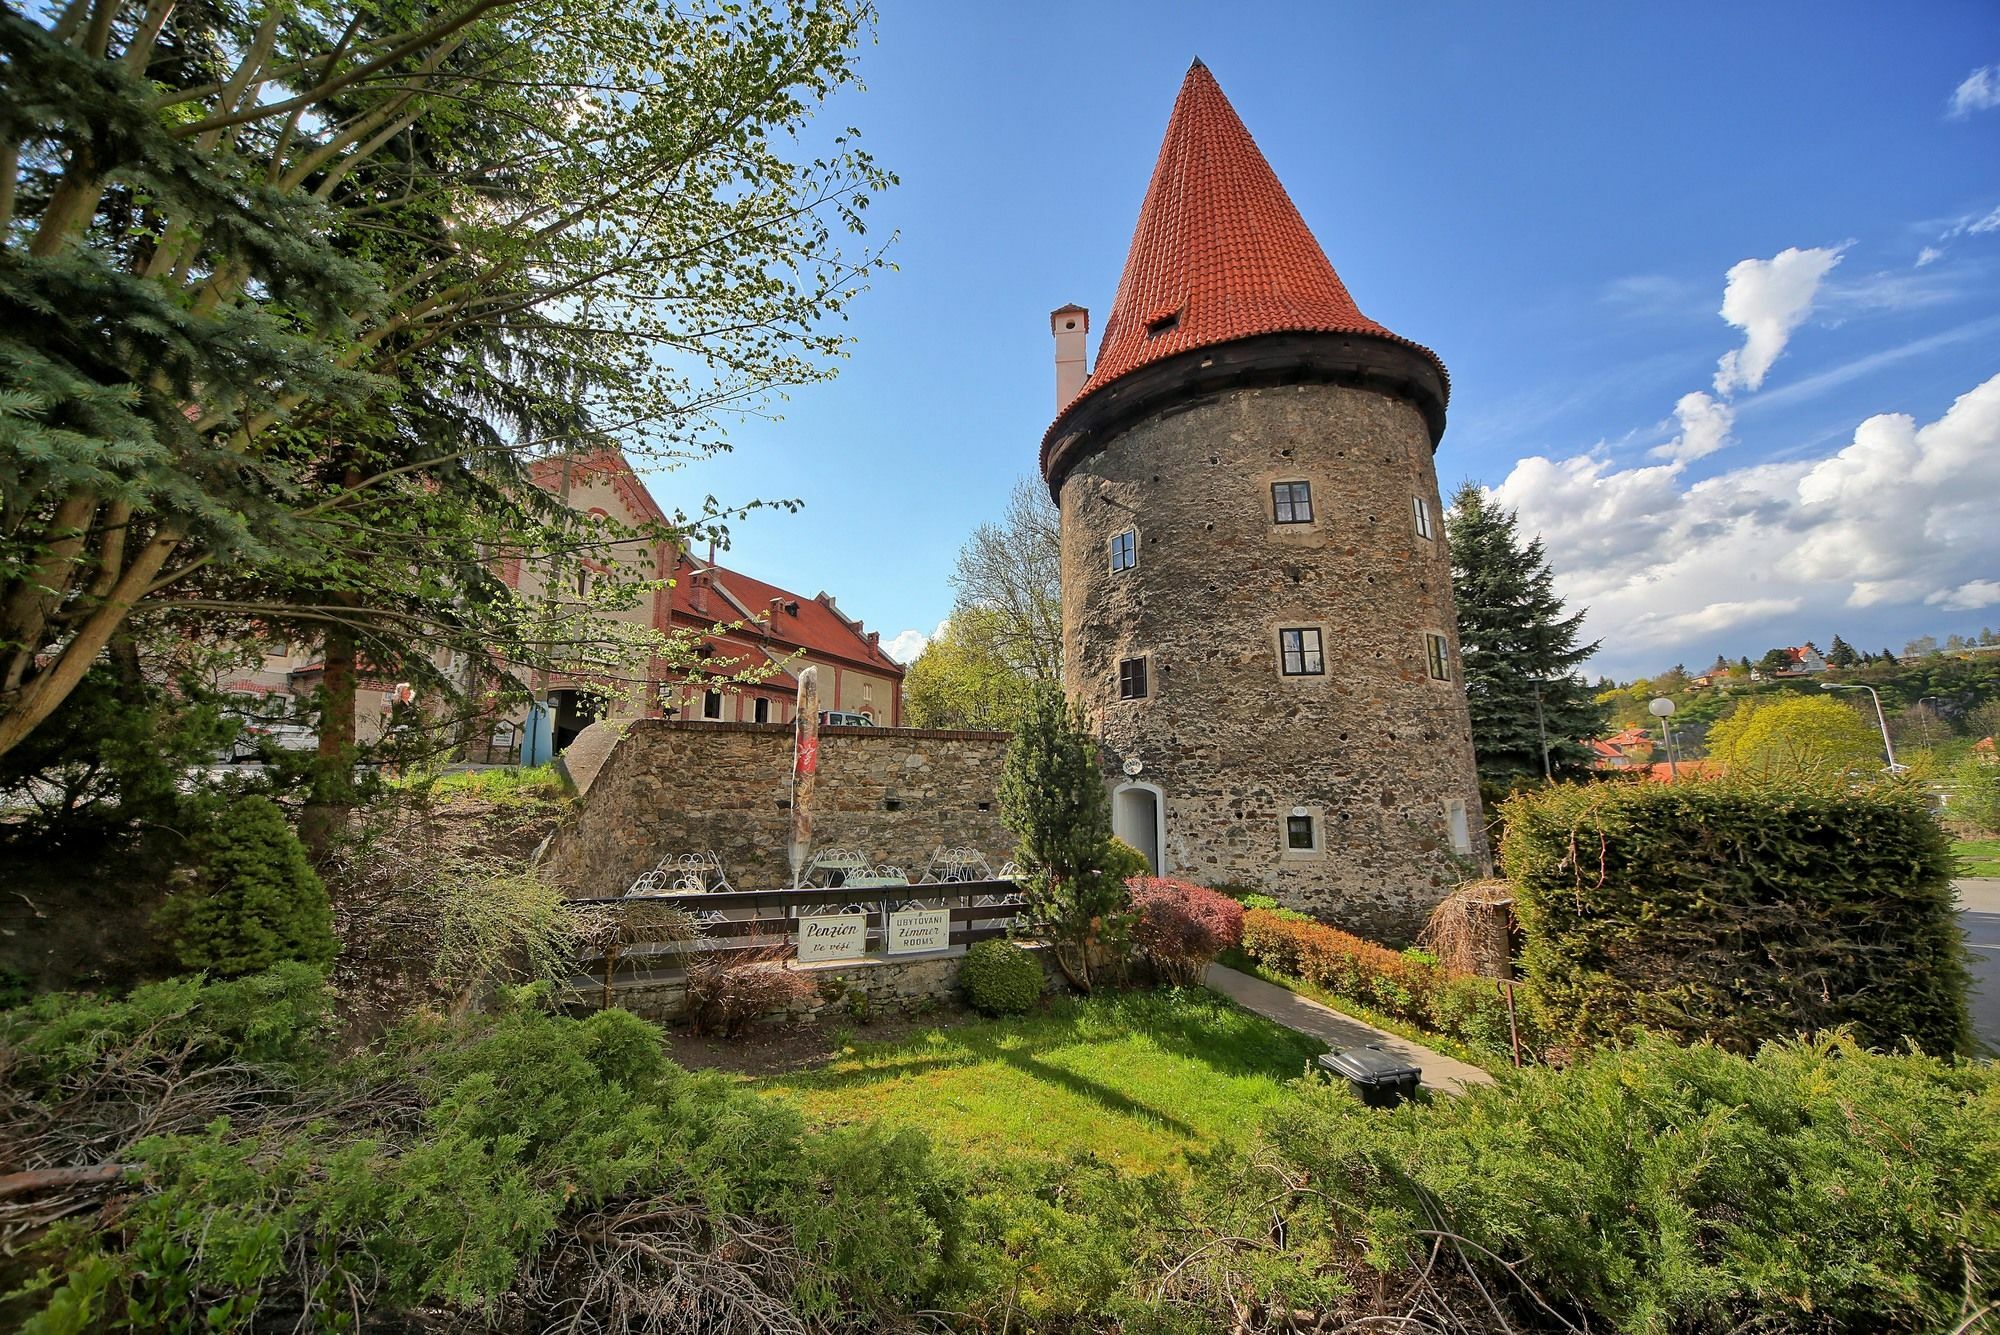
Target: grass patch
1137	1077
1980	857
1449	1046
511	786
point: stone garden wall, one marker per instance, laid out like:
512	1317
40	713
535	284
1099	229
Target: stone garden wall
850	990
678	786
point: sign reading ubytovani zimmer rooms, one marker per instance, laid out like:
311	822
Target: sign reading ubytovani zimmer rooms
833	936
914	931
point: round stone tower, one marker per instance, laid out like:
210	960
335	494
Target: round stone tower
1256	592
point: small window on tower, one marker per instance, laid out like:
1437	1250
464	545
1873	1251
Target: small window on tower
761	711
1132	679
1299	834
711	705
1124	551
1300	652
1423	508
1292	502
1163	324
1439	651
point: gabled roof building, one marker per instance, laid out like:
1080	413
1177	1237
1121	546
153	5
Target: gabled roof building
1256	594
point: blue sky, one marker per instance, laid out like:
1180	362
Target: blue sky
1557	199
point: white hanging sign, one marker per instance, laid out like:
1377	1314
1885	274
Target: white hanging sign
833	936
916	931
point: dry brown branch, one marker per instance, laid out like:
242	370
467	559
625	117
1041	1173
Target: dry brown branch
668	1267
1469	930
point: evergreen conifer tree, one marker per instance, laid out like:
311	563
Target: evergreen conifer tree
1052	796
1519	649
1842	654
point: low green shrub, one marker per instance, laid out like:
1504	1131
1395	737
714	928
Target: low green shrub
1739	912
524	1161
1000	978
276	1019
254	901
1656	1190
1122	861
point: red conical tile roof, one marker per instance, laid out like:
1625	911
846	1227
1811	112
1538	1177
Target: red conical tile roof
1220	252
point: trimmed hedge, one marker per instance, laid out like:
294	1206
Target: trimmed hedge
1405	984
1738	913
1000	978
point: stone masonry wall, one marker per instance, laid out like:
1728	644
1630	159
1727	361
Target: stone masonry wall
845	991
676	786
1374	749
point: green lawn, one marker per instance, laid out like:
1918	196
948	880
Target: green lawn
1137	1077
1982	856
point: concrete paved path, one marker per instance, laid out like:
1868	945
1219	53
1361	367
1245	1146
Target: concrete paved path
1337	1031
1979	915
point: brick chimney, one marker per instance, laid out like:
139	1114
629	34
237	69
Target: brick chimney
1071	325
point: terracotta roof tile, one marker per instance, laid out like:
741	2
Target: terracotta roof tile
1220	252
816	627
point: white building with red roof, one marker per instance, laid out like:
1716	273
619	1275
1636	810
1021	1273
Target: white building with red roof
749	638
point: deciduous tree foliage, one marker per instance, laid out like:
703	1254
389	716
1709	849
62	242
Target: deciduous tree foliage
1800	734
291	296
1519	650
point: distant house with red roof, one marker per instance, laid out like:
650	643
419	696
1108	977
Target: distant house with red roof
1628	748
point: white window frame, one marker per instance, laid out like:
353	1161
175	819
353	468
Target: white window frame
1422	508
1314	814
1124	544
1458	823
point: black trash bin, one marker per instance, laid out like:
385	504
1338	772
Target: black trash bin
1379	1076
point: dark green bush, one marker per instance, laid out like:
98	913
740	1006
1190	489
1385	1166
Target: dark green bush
1000	978
255	900
1662	1190
1738	912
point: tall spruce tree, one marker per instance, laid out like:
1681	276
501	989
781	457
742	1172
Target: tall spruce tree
1519	649
1841	654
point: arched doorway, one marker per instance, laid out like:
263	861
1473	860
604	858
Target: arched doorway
1139	817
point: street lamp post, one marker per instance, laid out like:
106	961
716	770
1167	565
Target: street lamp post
1542	732
1663	709
1888	747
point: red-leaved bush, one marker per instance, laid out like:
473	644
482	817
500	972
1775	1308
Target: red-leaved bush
1182	926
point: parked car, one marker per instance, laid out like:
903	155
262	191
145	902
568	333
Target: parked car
835	718
253	735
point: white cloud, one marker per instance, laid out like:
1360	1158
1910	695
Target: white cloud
1979	92
1929	255
1903	513
904	646
1704	424
1968	597
1767	300
1970	225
